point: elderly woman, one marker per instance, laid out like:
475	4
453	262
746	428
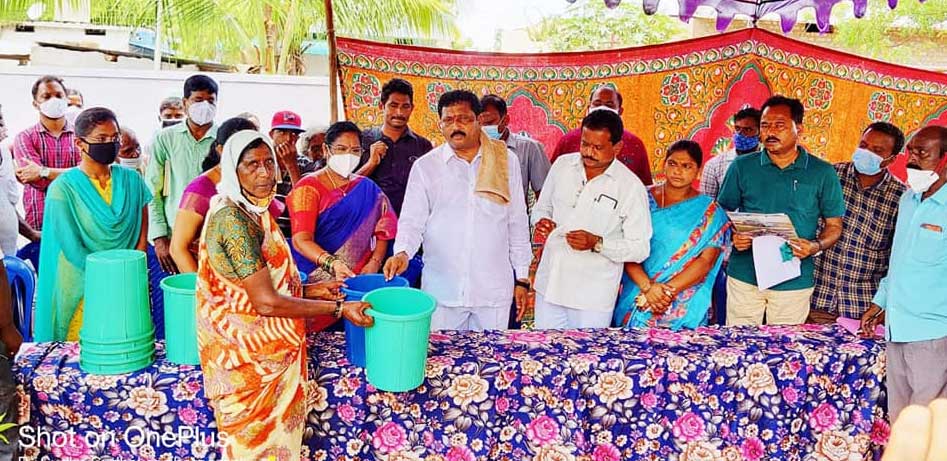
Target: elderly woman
96	206
310	144
195	202
672	288
251	308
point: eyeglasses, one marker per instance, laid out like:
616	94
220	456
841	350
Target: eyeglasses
461	119
343	150
101	140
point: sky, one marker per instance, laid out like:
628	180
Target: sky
480	19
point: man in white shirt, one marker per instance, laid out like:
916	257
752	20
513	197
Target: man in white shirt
475	241
595	213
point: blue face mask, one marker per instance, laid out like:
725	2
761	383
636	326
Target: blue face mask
867	162
745	143
493	131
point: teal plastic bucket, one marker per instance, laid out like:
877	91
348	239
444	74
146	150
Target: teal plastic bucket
113	368
145	338
396	345
117	308
355	290
180	318
131	354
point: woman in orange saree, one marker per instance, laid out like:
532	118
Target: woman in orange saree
251	308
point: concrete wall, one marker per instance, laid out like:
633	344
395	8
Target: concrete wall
115	38
135	94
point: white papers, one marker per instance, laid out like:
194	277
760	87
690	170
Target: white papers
757	224
771	270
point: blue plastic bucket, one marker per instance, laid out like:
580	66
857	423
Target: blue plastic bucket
355	290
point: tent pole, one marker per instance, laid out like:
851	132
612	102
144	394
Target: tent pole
333	65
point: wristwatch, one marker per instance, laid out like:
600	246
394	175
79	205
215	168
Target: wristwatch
598	246
522	283
338	309
44	172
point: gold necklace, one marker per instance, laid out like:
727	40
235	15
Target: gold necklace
331	173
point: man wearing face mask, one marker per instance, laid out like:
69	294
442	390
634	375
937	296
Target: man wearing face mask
171	111
76	103
534	165
178	152
746	139
782	178
912	298
129	155
847	275
45	150
633	153
389	152
465	202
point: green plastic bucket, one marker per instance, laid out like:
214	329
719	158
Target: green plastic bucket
396	345
130	354
145	338
115	368
180	318
117	309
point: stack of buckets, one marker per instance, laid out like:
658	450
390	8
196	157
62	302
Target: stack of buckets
394	351
117	334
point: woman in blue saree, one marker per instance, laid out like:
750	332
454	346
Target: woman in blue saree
96	206
342	223
673	287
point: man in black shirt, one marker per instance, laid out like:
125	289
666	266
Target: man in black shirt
388	152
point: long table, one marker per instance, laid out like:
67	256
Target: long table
770	393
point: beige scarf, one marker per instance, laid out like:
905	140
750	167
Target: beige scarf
493	176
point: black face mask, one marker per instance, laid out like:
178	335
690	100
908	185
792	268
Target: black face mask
171	122
104	152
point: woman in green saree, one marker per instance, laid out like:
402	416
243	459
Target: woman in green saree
96	206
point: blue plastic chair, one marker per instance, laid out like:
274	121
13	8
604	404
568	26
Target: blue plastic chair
22	288
30	252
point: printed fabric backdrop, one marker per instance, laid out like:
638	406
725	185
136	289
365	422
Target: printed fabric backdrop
674	91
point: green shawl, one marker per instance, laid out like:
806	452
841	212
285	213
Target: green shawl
78	222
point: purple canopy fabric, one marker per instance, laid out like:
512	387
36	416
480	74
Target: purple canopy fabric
756	9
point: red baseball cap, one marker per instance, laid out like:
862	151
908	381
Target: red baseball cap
287	120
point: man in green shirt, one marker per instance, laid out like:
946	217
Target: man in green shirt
178	152
782	178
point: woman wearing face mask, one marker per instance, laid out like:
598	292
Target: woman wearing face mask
196	199
342	223
97	206
672	288
250	310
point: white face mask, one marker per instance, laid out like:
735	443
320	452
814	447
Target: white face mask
71	113
132	163
593	109
921	180
344	164
54	108
202	113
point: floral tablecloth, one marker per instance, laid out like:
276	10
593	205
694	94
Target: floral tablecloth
812	393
